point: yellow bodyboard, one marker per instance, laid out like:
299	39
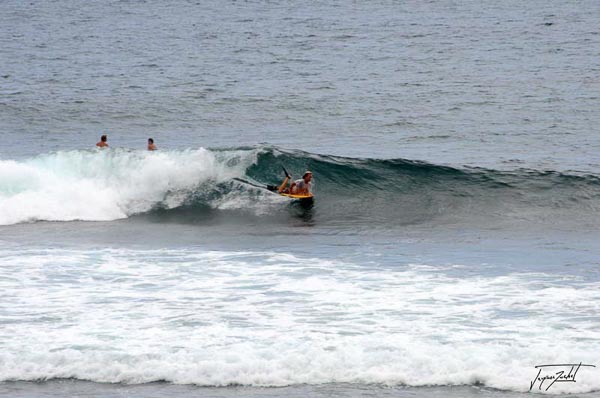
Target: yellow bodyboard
289	195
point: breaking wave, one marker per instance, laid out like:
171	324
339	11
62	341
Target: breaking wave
114	184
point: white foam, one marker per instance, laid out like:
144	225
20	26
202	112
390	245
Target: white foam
109	184
263	319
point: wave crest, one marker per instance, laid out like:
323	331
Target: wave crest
114	184
110	184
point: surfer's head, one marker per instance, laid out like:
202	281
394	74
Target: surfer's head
307	176
103	138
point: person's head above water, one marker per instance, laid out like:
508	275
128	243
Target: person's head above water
151	146
307	176
102	143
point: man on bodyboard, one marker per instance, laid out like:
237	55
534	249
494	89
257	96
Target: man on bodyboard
301	186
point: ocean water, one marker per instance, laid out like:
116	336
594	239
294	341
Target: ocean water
453	242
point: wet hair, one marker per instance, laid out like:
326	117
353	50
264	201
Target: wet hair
103	138
307	173
151	140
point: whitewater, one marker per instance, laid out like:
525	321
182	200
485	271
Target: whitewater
106	185
270	319
176	267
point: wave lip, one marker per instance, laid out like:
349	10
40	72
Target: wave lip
109	184
115	184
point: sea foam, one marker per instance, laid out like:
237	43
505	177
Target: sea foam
266	319
109	184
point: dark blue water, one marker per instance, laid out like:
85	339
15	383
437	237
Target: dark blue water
502	85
